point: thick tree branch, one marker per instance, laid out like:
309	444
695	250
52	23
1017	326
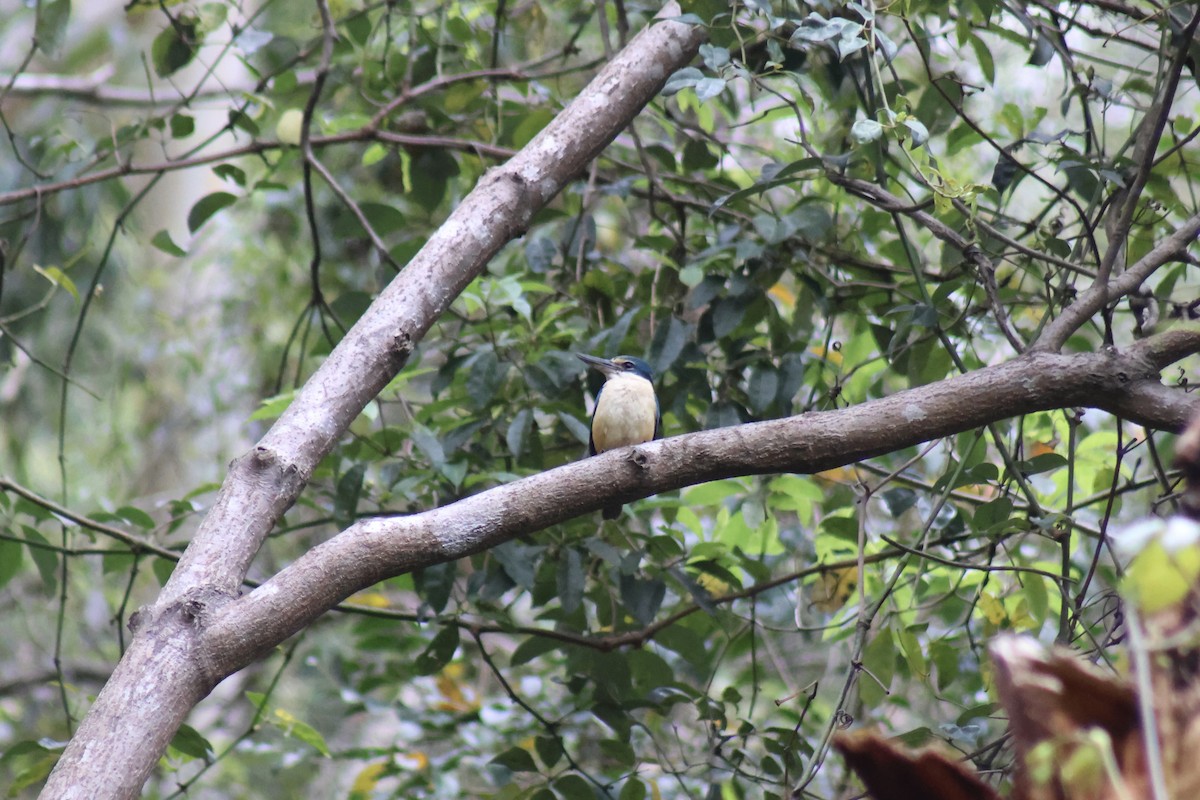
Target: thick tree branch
379	548
163	675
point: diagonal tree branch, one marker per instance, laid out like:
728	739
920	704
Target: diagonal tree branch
1103	292
166	671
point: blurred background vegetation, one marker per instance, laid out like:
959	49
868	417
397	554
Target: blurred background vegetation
173	267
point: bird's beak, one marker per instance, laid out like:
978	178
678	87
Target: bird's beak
601	364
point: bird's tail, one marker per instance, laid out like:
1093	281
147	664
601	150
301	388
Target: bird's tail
611	512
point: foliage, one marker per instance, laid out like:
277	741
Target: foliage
833	204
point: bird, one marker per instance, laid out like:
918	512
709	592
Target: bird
626	411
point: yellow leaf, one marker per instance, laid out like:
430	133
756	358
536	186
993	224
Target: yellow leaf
370	600
832	356
834	588
1041	448
414	760
456	700
783	294
367	777
992	608
715	586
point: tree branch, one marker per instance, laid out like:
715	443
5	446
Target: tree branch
375	549
1101	292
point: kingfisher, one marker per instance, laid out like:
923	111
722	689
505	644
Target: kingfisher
626	412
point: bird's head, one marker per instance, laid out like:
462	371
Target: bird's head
621	365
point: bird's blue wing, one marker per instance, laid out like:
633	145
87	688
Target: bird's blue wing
657	418
592	423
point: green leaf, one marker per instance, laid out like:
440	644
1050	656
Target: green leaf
571	580
176	46
573	787
428	444
45	558
633	789
865	131
439	653
162	240
683	79
11	556
483	378
58	278
434	584
516	759
1043	463
518	431
708	88
188	741
532	648
549	749
300	730
135	516
642	597
272	407
29	763
290	127
518	561
50	25
618	751
206	206
182	126
349	490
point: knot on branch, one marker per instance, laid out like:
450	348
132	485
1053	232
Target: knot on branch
639	459
401	349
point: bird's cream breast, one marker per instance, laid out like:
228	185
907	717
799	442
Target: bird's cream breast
625	413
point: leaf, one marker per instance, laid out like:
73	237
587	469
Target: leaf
816	29
642	597
50	25
162	240
429	445
865	131
298	729
531	648
290	127
708	88
182	126
761	388
135	516
188	741
518	431
573	787
516	759
434	584
1046	462
11	556
206	206
58	278
483	378
176	46
549	749
517	561
683	79
1043	51
439	653
345	499
669	340
917	131
571	580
